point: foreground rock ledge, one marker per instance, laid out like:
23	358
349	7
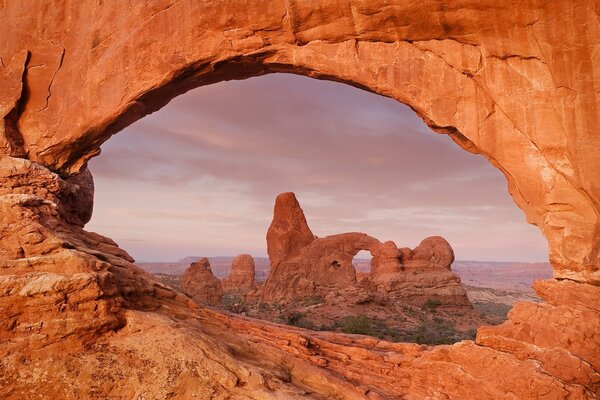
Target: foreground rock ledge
517	83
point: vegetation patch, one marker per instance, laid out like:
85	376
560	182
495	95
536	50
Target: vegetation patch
431	305
299	319
433	332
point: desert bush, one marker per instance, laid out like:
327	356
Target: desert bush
357	324
431	305
312	300
235	304
296	318
433	332
264	307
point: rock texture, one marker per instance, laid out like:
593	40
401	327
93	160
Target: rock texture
424	274
517	83
241	275
289	231
323	267
199	282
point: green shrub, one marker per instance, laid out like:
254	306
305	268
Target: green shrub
264	307
436	331
431	305
313	300
357	324
298	319
294	318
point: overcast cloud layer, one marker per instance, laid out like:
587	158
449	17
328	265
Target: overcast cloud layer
199	177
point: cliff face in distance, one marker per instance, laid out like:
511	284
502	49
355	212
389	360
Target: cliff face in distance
517	83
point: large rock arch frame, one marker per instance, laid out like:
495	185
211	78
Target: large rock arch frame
517	83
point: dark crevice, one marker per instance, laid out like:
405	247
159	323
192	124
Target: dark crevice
11	132
60	63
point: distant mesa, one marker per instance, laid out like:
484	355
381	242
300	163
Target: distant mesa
190	259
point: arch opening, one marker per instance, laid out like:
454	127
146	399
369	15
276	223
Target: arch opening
495	80
206	137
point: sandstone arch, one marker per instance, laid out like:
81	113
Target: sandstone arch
517	83
509	97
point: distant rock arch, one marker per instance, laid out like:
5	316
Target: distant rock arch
304	266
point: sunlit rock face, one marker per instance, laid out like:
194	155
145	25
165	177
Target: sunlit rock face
241	276
517	83
199	282
306	266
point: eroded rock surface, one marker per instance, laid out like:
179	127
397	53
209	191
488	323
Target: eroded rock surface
199	282
517	83
241	276
79	320
322	267
289	231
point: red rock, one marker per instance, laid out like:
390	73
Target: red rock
518	86
385	261
75	306
509	89
289	231
434	251
323	267
199	282
241	276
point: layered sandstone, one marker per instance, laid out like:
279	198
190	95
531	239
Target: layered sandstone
289	231
241	276
322	267
516	83
199	282
421	274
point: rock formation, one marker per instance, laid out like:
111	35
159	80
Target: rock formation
199	282
289	231
323	266
241	276
419	275
517	84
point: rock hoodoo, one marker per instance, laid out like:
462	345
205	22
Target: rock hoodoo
289	231
199	282
241	277
517	84
321	266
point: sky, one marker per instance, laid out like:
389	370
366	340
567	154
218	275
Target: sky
199	177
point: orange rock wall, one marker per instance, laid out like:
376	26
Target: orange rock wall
514	82
517	82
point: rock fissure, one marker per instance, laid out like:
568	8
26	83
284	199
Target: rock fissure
60	62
